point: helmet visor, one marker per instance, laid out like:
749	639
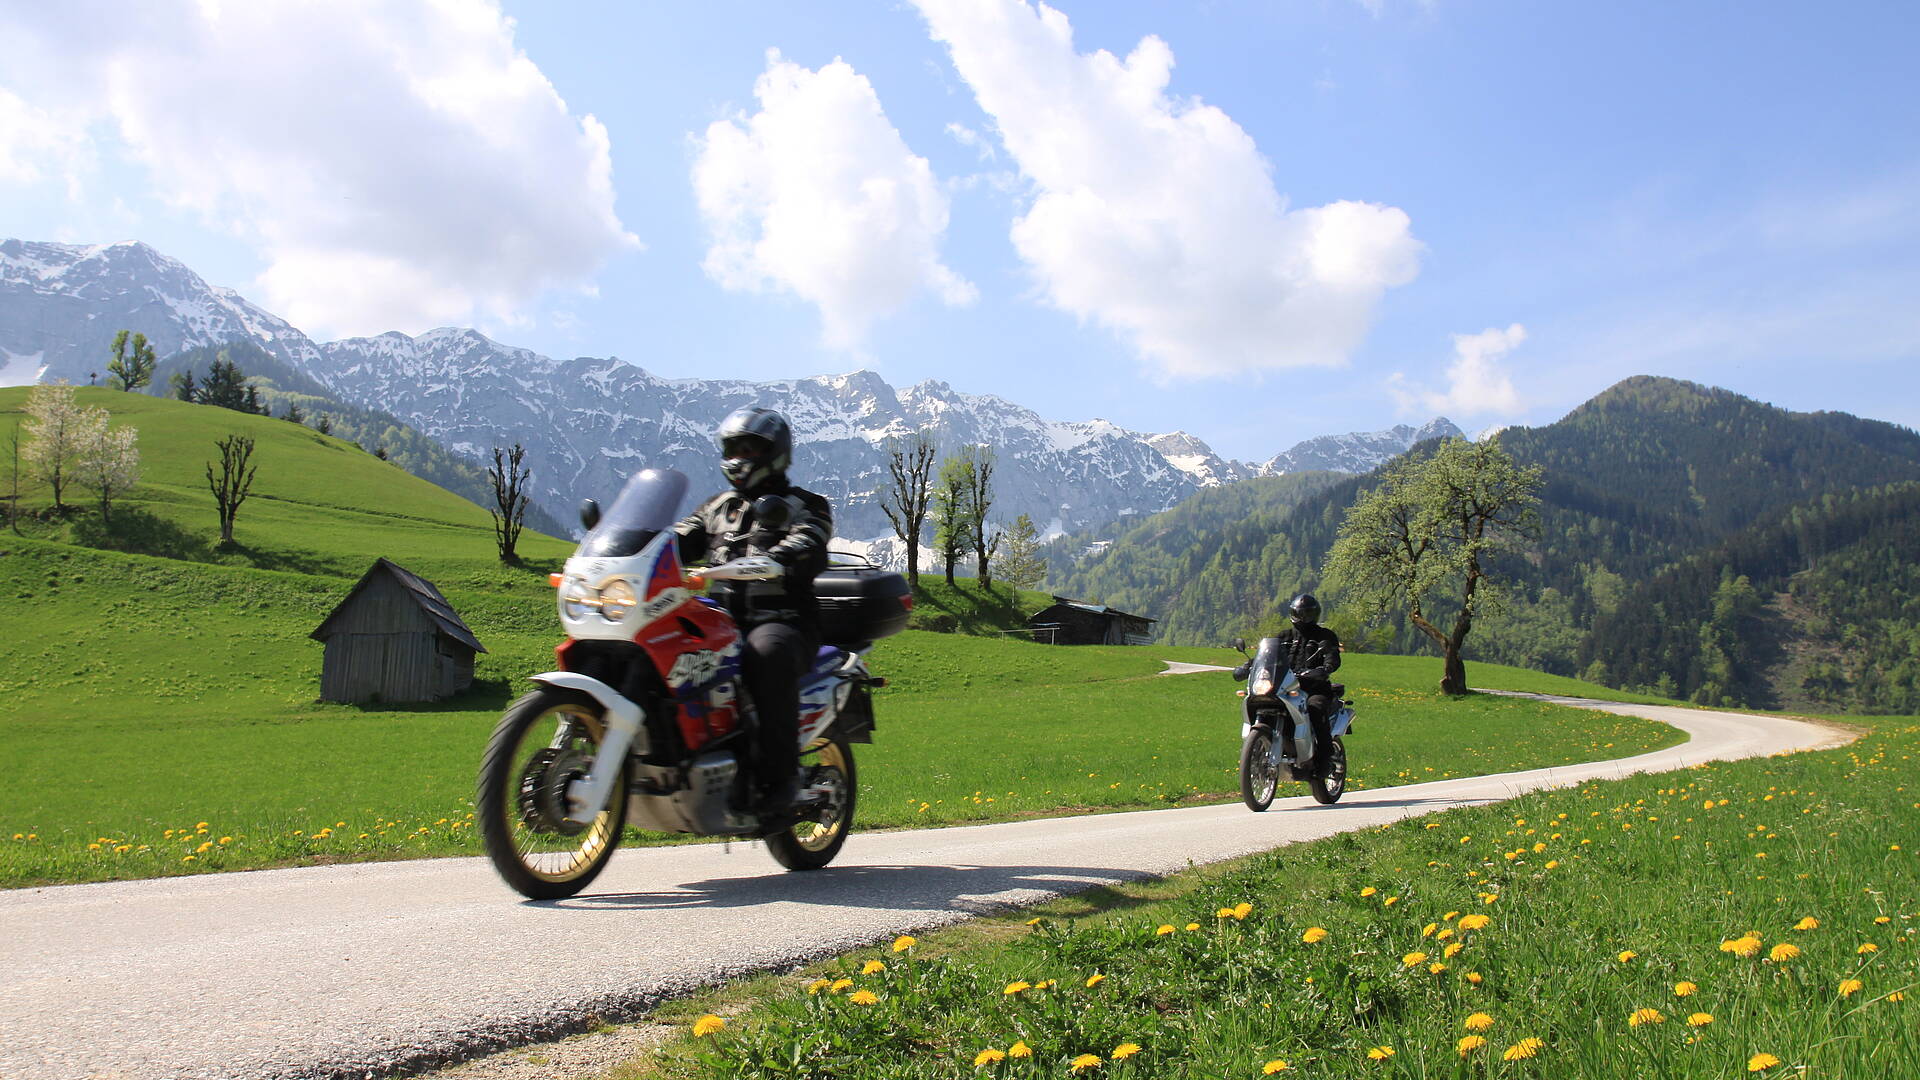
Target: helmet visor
745	447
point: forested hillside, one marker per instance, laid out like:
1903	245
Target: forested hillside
1653	478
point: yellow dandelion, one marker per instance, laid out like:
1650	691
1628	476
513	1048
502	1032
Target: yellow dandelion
1627	955
1553	864
1450	916
1868	947
903	943
872	967
1020	1050
1084	1062
1684	989
707	1025
1096	979
1043	984
1741	946
863	997
1881	920
1242	909
1850	987
1645	1016
1313	935
1808	923
988	1057
1783	952
1015	987
1035	921
1224	913
1444	934
1469	1044
1427	930
1761	1062
1125	1050
1274	1066
1452	950
1475	922
1478	1022
1699	1020
1368	891
1380	1053
838	985
1896	996
1436	968
1413	958
818	985
1164	929
1193	926
1390	901
1523	1049
1474	977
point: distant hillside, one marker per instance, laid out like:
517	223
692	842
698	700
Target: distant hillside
281	385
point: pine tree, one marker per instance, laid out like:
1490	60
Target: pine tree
1023	566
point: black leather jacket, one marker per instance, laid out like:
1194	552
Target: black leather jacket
723	528
1313	653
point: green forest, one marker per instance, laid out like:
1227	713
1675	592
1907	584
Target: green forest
1694	543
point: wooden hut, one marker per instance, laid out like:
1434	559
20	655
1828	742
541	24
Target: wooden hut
394	638
1075	622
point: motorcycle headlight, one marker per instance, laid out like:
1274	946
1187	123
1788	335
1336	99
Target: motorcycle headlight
576	599
1262	686
616	599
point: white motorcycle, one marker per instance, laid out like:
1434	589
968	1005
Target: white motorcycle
1276	735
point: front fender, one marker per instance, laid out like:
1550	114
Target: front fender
588	794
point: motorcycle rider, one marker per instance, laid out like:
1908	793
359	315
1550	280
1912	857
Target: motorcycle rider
1312	653
763	513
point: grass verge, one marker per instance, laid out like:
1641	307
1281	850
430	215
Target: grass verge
1755	918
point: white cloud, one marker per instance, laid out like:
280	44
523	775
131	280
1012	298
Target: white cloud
818	195
1477	383
1156	216
398	165
35	143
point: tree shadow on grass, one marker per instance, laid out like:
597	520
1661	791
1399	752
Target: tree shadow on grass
133	530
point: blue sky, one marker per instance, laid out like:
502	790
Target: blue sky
1529	201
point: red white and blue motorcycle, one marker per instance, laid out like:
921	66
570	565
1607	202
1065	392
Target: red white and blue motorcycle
647	722
1276	736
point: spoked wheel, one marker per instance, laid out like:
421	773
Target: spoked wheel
1329	780
812	844
1259	775
545	741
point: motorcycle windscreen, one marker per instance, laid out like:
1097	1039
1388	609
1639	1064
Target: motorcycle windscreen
1266	665
648	504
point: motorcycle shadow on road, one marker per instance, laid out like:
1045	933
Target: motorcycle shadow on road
966	888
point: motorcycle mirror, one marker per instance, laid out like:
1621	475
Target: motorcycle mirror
771	513
589	514
1238	645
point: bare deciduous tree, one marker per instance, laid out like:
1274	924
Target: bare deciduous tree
979	501
510	500
234	481
910	478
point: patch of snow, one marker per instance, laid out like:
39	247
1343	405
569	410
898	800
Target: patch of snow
21	369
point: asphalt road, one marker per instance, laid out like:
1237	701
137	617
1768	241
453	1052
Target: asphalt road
370	969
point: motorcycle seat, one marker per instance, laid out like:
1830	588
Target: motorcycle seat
828	658
1340	690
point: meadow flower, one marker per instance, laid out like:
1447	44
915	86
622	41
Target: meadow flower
1035	921
1242	909
1808	923
1015	987
1368	891
707	1025
872	967
1645	1016
1274	1066
1478	1022
1314	934
1783	952
1469	1044
1850	987
818	985
1553	864
1896	996
1475	922
903	943
1450	916
1474	977
1684	989
1627	955
1869	947
863	997
1390	901
1427	930
1164	930
1699	1019
1444	934
1414	958
1125	1050
1193	926
1436	968
988	1057
838	985
1525	1048
1380	1053
1761	1062
1019	1050
1452	950
1096	979
1741	946
1084	1062
1881	920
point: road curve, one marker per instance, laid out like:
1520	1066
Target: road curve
370	969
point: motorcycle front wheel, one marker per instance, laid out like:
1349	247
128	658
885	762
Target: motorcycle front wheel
1329	780
811	845
1258	773
544	742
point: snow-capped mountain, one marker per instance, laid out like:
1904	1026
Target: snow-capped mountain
1358	451
587	422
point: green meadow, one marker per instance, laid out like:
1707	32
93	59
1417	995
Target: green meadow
1753	918
160	708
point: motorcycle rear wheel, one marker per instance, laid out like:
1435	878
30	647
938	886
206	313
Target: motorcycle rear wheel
1258	774
1329	779
811	845
544	740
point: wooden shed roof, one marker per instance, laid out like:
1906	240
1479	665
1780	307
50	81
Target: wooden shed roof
1091	609
421	591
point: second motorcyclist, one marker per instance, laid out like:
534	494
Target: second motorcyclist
780	617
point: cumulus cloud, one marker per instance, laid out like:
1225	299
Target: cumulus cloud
1477	383
397	164
1157	216
818	195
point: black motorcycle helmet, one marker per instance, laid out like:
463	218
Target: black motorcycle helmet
1304	610
756	446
